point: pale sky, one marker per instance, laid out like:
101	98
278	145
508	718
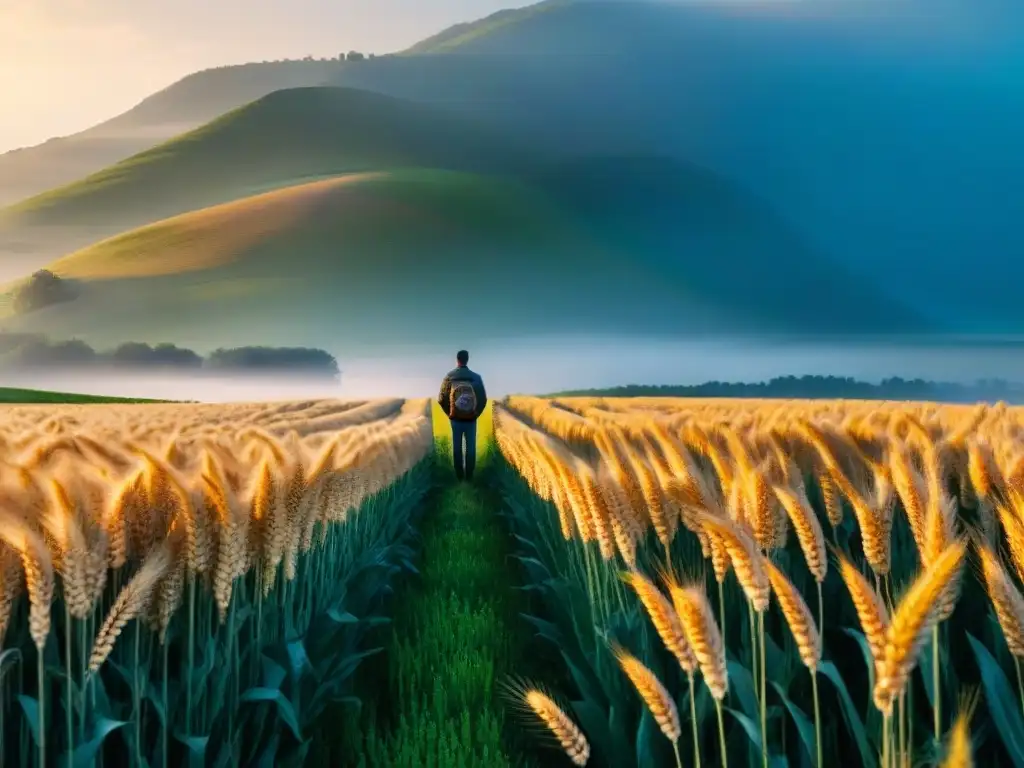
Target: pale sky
66	65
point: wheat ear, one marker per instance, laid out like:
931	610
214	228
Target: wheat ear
1006	599
665	620
871	611
570	738
808	639
698	620
918	612
958	746
746	560
130	603
798	616
657	699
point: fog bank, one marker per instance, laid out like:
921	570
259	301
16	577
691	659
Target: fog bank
537	366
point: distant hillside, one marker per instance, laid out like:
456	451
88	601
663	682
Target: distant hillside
442	256
280	139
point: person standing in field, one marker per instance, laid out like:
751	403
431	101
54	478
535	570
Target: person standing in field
463	398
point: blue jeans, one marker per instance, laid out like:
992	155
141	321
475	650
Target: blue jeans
467	430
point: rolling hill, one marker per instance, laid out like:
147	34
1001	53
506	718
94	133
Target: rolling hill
416	256
182	106
278	140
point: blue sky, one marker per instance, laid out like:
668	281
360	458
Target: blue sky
68	64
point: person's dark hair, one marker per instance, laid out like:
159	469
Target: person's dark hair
462	357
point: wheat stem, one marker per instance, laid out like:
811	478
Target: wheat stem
753	647
885	741
902	721
1020	681
137	695
166	723
693	724
937	709
259	620
764	697
910	717
69	709
721	734
41	680
817	717
85	628
191	651
3	707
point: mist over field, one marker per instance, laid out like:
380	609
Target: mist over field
558	363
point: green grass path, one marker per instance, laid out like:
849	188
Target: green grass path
455	639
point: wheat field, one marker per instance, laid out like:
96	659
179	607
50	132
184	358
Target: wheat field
191	584
707	582
741	582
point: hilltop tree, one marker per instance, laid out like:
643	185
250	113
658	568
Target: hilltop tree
42	289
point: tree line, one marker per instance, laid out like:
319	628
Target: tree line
821	387
27	350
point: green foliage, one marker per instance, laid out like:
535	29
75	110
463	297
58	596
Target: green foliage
248	691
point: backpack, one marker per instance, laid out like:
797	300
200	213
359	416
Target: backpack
463	401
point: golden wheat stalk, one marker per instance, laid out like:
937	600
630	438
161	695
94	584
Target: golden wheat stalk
871	610
568	734
1006	599
913	619
959	753
798	616
131	602
38	567
665	620
653	693
746	560
698	622
808	529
